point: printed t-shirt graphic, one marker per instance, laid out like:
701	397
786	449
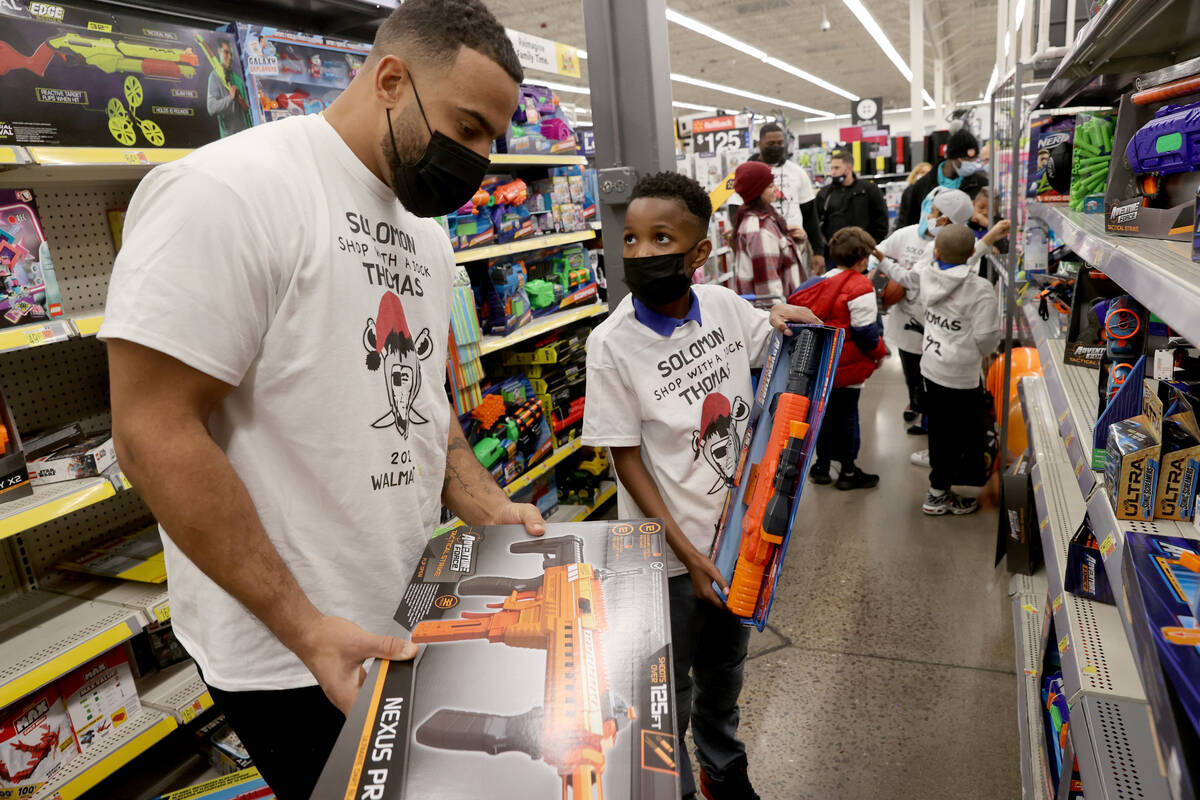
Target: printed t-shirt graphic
718	437
390	344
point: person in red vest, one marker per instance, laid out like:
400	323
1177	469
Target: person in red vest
844	298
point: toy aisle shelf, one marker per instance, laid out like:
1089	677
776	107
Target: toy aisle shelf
543	325
541	468
1110	723
522	160
1159	273
1028	604
38	165
178	691
578	513
522	246
59	329
51	501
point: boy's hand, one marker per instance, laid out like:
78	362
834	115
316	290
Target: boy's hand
878	255
998	232
782	314
704	573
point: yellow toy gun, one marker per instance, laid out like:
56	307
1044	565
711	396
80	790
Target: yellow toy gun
561	612
106	55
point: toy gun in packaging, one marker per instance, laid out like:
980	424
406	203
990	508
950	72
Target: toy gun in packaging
1125	332
774	481
563	613
106	55
1169	144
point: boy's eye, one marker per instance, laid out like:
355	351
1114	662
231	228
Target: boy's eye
662	238
630	238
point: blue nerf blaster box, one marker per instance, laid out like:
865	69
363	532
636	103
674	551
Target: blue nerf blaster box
781	434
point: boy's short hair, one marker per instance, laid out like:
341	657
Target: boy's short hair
850	246
674	186
954	243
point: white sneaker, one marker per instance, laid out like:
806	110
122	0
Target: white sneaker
948	503
920	459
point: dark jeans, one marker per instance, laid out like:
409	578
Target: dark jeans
289	733
911	364
956	435
839	438
709	645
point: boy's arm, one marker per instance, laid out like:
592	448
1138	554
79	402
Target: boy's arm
864	330
986	316
637	479
908	278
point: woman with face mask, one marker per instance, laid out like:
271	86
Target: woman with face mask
766	261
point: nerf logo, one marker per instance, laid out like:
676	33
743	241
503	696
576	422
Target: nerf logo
1125	212
33	716
47	12
1055	139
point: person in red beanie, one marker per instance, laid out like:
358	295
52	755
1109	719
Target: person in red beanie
766	262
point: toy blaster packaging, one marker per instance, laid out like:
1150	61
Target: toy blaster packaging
1018	541
225	751
1085	330
14	474
36	742
246	784
1126	324
137	557
545	672
1093	149
1153	178
75	77
87	459
1131	467
559	279
292	73
1179	463
1161	576
1050	147
1085	575
538	126
506	298
100	697
28	284
781	434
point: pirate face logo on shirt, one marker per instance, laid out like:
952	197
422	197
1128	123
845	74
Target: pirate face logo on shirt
717	438
391	346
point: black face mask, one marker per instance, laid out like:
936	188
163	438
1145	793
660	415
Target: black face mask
837	180
658	280
774	154
443	179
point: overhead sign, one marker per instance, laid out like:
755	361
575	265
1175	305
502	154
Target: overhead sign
867	112
534	52
714	134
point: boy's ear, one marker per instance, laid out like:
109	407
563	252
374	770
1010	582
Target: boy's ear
703	249
936	255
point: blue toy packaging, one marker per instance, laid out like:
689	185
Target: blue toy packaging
559	279
28	285
505	303
1050	147
539	127
781	434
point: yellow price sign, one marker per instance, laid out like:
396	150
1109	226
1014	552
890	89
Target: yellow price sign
1057	602
162	613
34	338
134	157
1108	546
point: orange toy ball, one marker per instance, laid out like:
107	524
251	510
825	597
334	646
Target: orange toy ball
892	293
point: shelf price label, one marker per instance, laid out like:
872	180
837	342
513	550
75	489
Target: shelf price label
715	134
1063	644
1108	546
162	613
1057	602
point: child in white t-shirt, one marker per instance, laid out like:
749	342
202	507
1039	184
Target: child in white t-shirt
668	392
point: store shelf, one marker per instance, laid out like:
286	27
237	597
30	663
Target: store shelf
10	155
46	635
542	467
579	513
520	160
50	502
116	750
540	327
1159	273
150	600
522	246
87	323
1028	604
41	165
178	691
59	329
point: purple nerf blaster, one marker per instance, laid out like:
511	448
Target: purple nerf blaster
1166	145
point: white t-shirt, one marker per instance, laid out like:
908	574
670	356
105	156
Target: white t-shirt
683	398
275	261
903	323
795	189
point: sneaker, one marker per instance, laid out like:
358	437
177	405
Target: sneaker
819	474
920	459
855	478
909	414
949	503
916	430
733	784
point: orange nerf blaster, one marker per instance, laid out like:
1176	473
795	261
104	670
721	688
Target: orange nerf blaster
774	480
561	612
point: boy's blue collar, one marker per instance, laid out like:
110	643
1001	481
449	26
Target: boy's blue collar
943	265
661	323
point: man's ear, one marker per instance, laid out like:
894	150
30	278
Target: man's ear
393	84
703	249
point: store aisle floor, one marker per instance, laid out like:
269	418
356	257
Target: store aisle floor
887	670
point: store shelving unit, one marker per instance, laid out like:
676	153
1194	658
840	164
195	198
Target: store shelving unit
542	467
579	513
1028	595
522	246
51	501
492	344
178	691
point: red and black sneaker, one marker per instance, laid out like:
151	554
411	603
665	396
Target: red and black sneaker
733	784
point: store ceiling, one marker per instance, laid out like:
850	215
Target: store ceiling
844	55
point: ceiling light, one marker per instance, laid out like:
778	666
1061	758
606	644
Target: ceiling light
1007	42
717	87
694	106
868	22
754	52
847	116
563	87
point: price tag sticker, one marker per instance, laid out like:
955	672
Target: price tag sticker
1029	608
1042	524
1063	644
1108	546
190	712
1063	416
162	613
1057	602
1078	468
1090	670
134	157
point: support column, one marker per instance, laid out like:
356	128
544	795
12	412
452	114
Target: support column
629	75
916	58
939	90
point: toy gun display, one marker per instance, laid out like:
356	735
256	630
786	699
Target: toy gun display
1169	144
773	488
231	80
561	612
508	280
105	55
1125	334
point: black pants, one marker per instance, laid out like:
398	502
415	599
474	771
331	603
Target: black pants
839	437
911	364
956	435
289	733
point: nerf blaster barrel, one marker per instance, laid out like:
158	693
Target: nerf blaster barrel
766	519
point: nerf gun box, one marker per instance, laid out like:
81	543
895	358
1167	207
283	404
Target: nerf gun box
1085	328
28	284
1085	575
1050	147
246	784
74	77
1161	576
290	73
36	741
544	672
100	697
14	474
1131	468
781	435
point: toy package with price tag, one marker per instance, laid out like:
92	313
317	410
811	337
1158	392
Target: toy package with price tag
28	283
544	673
36	742
762	508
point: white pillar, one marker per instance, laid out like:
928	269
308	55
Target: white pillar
916	58
939	90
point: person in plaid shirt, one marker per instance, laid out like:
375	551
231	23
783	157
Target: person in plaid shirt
766	262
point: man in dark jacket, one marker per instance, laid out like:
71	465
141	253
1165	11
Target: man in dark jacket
848	200
962	169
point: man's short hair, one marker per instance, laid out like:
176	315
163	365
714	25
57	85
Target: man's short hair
434	30
954	243
850	246
769	127
674	186
843	156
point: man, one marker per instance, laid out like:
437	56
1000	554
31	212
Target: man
962	169
849	201
226	96
797	200
295	497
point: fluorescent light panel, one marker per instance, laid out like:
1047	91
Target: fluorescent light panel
717	87
885	111
859	10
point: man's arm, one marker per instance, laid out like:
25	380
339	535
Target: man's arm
637	479
471	492
812	226
878	215
161	408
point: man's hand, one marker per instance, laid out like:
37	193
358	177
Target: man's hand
521	514
334	650
797	233
782	314
818	263
703	573
998	232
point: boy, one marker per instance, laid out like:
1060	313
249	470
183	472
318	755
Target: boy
904	327
668	392
845	298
